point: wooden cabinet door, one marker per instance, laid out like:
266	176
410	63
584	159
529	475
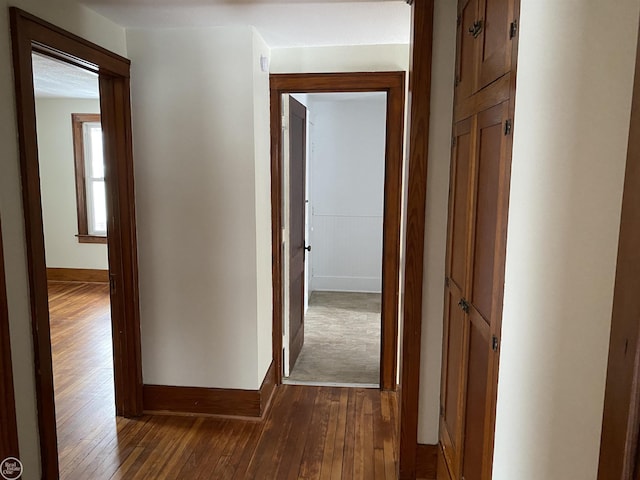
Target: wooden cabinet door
486	288
476	398
466	65
457	273
494	41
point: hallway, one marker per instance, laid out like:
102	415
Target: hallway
309	432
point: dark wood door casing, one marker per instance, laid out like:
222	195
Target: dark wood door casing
297	197
417	158
30	33
9	429
619	447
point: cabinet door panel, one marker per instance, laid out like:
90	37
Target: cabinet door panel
466	65
495	45
454	359
491	142
459	204
476	398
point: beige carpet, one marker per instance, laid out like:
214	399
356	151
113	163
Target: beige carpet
341	339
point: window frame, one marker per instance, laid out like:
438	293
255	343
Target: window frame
78	120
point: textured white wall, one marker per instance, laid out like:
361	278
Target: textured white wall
575	74
444	44
347	193
80	21
58	184
200	201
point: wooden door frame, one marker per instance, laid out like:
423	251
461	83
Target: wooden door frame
393	83
9	430
30	33
621	415
421	43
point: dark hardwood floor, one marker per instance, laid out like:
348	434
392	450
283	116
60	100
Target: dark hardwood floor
308	433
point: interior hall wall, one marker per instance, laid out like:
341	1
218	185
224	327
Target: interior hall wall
203	205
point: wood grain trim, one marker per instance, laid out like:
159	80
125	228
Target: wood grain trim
210	401
198	400
30	33
277	266
621	418
71	48
393	84
94	239
420	95
267	389
115	105
427	462
77	275
443	470
496	93
336	82
391	235
9	430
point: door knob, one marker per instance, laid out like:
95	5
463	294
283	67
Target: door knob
308	248
476	29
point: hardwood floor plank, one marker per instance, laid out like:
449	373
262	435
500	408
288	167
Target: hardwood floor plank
338	455
317	430
349	437
308	433
330	440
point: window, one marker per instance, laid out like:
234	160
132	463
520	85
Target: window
90	185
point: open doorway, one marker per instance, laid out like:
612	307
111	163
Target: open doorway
334	167
293	254
32	35
74	217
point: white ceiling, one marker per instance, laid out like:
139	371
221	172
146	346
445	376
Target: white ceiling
281	23
56	79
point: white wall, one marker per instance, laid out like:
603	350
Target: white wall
201	196
262	139
356	58
444	45
347	192
58	184
575	74
85	23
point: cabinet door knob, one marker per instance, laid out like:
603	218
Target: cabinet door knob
475	30
463	305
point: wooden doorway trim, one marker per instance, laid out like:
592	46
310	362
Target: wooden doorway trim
393	83
420	105
29	34
9	430
619	452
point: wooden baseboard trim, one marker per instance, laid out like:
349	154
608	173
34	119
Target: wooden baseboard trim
267	389
210	401
77	275
427	462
